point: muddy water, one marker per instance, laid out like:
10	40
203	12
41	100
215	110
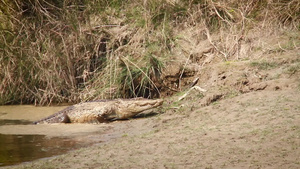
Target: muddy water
22	141
21	148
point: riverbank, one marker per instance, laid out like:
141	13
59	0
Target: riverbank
260	129
229	72
257	127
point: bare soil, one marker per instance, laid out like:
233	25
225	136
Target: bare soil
249	117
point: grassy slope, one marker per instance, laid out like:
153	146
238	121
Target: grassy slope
61	51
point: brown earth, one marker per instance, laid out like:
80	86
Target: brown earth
249	117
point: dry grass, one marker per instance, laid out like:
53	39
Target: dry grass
69	51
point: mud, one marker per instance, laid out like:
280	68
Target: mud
248	116
22	141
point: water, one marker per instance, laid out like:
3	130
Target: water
15	149
21	141
12	122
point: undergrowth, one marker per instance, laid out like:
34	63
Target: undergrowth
72	50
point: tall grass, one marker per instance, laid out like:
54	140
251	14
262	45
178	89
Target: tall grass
72	50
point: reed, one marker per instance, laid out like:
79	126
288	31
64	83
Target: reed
54	51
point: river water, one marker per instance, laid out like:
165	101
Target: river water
22	141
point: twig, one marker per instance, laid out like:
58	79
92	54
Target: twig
198	88
218	13
186	62
210	41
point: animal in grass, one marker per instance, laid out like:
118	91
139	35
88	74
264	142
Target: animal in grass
100	111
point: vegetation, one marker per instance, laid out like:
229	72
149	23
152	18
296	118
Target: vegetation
72	50
264	65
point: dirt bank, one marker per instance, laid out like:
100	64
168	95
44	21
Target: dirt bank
248	117
260	130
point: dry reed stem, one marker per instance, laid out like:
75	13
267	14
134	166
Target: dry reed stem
122	58
48	50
